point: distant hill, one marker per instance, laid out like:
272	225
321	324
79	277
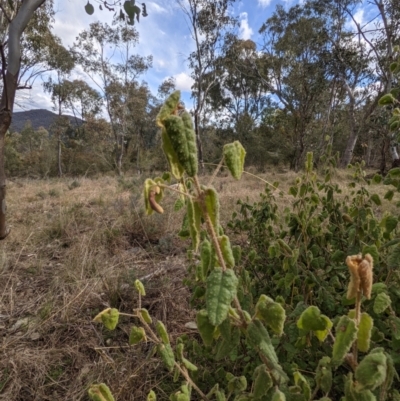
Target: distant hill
38	118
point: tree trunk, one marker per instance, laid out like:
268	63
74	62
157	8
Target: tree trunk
384	148
60	172
198	140
348	153
10	82
120	150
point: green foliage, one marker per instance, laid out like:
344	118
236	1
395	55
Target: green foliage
234	155
346	334
167	355
137	335
221	290
371	372
263	307
271	313
109	317
100	392
364	332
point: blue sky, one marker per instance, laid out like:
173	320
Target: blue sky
163	33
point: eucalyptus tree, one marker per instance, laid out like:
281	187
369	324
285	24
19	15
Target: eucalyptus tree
60	90
294	70
378	36
14	19
239	97
84	101
25	44
109	74
208	21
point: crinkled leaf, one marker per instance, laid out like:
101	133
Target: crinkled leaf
221	290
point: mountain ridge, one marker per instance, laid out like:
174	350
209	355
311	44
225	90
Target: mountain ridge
38	118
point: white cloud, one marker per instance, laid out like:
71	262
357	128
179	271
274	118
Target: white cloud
183	82
264	3
155	8
245	30
359	16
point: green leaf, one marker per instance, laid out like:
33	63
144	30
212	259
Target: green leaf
278	396
237	384
183	141
234	155
303	384
140	288
228	343
179	204
389	195
390	223
262	381
137	335
145	315
131	10
352	393
312	320
167	355
212	206
346	334
386	99
364	332
258	337
381	303
377	179
221	290
376	199
162	332
151	396
89	8
100	392
323	376
372	250
395	325
205	260
272	313
394	172
371	371
206	329
194	222
226	250
175	166
109	317
394	257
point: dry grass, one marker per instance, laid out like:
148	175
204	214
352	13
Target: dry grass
76	247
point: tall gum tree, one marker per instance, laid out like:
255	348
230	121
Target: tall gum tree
15	15
112	78
17	19
208	21
379	38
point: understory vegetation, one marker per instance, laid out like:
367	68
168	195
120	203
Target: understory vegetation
305	308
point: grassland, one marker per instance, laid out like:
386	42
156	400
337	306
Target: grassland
75	248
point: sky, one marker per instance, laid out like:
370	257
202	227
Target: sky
164	34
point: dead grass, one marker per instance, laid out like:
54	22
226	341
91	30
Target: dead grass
76	247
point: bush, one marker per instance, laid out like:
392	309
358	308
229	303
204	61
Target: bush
288	320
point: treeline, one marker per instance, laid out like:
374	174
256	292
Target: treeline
314	80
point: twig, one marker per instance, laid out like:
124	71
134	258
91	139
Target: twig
5	13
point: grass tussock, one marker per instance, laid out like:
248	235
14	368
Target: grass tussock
76	248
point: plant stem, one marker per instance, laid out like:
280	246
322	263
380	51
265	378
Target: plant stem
189	379
358	312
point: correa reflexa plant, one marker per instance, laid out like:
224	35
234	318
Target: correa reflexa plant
243	329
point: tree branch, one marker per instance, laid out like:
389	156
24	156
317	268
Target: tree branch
5	13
